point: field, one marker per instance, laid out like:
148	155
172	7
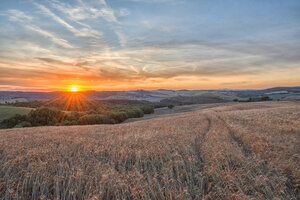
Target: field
9	111
177	109
239	151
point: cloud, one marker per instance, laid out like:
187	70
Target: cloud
84	11
107	14
18	16
84	32
51	36
123	12
26	21
79	64
122	38
102	2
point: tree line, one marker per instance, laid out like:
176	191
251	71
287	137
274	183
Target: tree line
56	113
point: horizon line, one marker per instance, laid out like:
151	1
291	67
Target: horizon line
53	91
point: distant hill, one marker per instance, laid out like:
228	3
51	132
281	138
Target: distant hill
165	95
200	99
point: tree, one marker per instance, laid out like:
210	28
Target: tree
265	98
44	116
95	119
171	106
148	109
13	121
23	124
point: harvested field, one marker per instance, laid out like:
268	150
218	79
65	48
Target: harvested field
240	151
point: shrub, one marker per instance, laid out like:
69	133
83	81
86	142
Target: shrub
92	112
44	116
171	106
135	112
265	98
95	119
159	105
13	121
118	117
73	116
148	109
23	124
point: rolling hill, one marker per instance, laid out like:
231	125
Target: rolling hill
162	95
238	151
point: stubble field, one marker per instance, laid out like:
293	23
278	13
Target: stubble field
241	151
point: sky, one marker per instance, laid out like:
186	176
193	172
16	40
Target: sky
49	45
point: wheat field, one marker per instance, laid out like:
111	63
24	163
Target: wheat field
241	151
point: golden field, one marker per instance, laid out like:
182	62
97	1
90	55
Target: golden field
240	151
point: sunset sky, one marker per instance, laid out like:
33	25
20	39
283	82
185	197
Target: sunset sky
50	45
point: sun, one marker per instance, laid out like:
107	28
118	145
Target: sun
74	89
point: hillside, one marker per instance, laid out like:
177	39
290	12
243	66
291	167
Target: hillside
161	95
239	151
9	111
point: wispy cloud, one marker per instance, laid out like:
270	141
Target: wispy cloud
17	16
84	32
51	36
122	38
26	21
123	12
84	11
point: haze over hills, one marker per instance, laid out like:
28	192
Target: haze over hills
164	95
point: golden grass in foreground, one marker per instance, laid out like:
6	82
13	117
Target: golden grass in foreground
242	151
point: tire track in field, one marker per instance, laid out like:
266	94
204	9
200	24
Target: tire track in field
246	150
293	183
200	139
249	154
198	142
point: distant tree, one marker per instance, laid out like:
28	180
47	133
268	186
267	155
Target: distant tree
171	106
148	109
68	123
96	119
23	124
159	105
44	116
265	98
251	99
118	117
92	112
235	100
13	121
135	112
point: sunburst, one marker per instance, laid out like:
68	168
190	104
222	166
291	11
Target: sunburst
74	89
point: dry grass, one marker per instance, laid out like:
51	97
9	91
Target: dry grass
242	151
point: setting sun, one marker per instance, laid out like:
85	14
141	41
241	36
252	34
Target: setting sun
74	89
